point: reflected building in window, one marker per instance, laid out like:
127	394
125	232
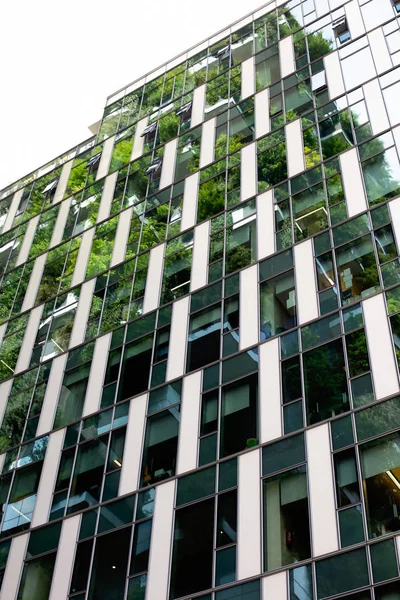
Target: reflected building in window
200	327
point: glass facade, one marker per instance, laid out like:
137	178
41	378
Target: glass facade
200	327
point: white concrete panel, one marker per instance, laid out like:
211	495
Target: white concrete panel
380	349
14	567
207	142
248	172
83	257
201	246
138	141
396	135
53	390
286	56
334	75
27	241
107	197
199	101
154	279
168	164
294	148
380	51
161	542
321	491
352	74
34	282
96	376
394	208
2	460
354	19
64	566
12	210
190	423
261	113
121	237
3	329
306	285
48	477
322	7
274	587
249	328
28	342
5	389
376	12
265	225
189	208
248	78
61	222
105	158
132	457
249	515
270	391
178	339
376	107
353	183
63	182
82	313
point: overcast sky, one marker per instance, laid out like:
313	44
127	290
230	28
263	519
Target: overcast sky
60	60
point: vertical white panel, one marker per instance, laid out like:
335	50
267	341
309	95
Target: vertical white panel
396	135
354	19
265	225
83	257
53	389
65	559
154	278
105	158
376	107
334	75
34	282
61	222
322	491
2	460
190	422
249	328
12	210
379	340
63	182
248	172
286	56
14	567
27	241
261	111
161	539
28	342
189	208
248	78
3	329
394	208
294	148
275	586
201	246
96	376
270	391
5	389
380	51
207	142
82	313
306	285
138	141
168	164
132	458
249	515
353	183
199	100
121	237
107	197
178	339
48	478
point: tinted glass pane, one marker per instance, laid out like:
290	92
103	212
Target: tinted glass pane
342	573
351	526
384	562
109	565
282	455
195	486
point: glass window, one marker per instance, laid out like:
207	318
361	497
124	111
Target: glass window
277	305
204	337
109	565
239	415
36	578
160	446
342	573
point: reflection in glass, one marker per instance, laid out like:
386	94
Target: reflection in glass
277	305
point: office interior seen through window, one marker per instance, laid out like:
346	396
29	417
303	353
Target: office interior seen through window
200	327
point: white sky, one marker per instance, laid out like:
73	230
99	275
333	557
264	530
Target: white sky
60	60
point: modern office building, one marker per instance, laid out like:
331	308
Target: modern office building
200	327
